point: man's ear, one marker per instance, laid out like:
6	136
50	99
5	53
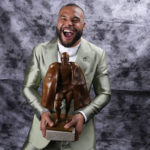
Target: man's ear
84	25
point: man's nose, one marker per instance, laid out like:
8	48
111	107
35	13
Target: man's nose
69	23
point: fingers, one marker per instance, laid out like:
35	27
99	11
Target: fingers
77	121
45	119
43	127
50	122
70	124
78	130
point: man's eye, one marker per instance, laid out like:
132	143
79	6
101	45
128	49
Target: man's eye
75	20
63	19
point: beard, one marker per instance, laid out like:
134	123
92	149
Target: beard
74	40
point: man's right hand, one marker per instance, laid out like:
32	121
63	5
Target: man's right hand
45	119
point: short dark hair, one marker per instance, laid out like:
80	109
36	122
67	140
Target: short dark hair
72	4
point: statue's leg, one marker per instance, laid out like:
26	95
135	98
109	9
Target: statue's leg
69	96
58	100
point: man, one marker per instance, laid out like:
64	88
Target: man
90	58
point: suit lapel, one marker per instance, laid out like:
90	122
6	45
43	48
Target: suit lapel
51	52
84	57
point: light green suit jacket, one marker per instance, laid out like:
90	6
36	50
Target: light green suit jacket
93	63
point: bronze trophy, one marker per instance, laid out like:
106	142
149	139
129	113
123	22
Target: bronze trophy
63	80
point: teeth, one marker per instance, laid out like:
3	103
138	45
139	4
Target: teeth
68	31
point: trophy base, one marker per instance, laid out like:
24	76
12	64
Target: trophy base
58	132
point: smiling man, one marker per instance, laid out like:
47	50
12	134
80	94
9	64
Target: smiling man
70	26
92	61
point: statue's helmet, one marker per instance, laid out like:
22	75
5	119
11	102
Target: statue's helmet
65	57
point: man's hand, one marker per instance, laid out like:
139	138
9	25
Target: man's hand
76	121
45	119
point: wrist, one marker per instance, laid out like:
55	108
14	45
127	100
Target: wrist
44	110
81	117
45	113
83	114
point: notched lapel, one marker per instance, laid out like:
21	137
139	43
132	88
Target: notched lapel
85	57
51	53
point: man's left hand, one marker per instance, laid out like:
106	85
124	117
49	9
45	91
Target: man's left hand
77	122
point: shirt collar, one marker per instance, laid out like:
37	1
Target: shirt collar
72	51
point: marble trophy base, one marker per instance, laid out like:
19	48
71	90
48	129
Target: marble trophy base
58	132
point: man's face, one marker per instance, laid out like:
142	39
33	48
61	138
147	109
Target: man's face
70	26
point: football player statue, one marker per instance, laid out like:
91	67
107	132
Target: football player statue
64	80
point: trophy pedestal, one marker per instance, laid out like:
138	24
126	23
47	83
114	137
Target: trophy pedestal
58	132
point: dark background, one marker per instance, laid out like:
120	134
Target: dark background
120	27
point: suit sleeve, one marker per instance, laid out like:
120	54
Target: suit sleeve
31	84
101	86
